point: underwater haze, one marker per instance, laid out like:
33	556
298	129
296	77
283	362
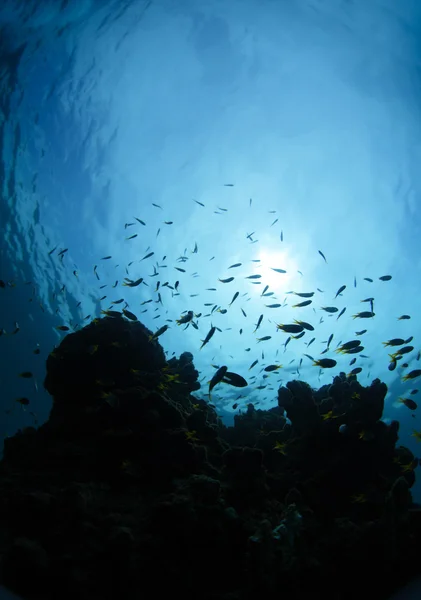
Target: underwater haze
231	156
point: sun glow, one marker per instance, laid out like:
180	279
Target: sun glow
279	283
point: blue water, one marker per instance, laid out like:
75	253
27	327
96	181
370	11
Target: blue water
309	110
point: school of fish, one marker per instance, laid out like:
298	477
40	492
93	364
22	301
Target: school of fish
168	286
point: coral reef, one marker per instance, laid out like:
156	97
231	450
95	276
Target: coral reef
135	487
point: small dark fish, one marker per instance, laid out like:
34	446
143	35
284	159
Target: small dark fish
282	236
228	280
341	289
368	279
341	313
403	317
355	371
362	332
186	318
349	345
253	364
234	298
355	282
243	313
228	185
234	266
329	309
404	350
364	315
197	202
140	221
409	403
302	304
264	339
323	256
157	206
235	405
106	257
275	221
385	277
258	322
304	294
168	222
394	342
131	283
271	368
131	237
147	256
180	269
273	305
325	363
26	374
299	336
208	336
253	277
62	328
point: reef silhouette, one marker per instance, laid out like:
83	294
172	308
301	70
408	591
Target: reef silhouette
135	488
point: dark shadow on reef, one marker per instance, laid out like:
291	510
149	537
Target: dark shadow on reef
134	488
